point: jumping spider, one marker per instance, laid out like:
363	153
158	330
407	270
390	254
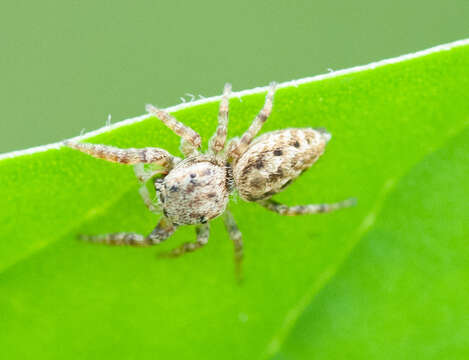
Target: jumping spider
195	190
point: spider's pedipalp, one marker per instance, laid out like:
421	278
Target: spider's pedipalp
148	155
256	125
202	232
305	209
143	175
217	142
184	131
150	204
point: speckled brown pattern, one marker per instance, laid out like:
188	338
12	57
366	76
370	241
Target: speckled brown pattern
217	142
274	160
196	190
304	209
130	156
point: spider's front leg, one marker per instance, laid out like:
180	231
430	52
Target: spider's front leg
202	232
131	156
159	161
162	231
305	209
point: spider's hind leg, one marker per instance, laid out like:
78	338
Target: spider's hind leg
305	209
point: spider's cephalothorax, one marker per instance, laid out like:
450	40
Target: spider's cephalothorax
195	190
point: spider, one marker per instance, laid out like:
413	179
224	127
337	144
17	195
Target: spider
196	189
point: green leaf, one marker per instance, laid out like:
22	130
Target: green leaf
61	298
402	293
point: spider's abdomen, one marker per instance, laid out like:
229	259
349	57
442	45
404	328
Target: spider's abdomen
275	159
195	191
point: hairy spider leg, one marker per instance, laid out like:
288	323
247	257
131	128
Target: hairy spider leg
240	145
190	140
147	155
202	232
237	238
305	209
218	140
162	231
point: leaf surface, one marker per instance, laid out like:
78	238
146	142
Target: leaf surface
76	300
402	293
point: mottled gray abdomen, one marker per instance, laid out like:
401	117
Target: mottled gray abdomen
275	159
194	192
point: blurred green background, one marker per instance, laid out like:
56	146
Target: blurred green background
66	65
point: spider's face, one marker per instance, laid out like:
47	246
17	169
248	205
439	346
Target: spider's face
194	192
